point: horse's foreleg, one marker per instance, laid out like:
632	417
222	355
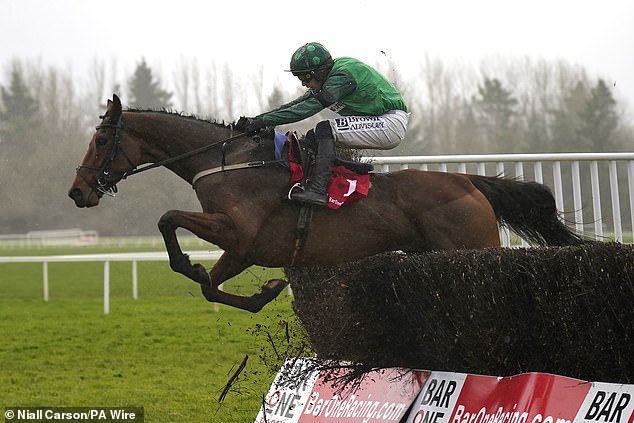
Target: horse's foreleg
217	229
210	227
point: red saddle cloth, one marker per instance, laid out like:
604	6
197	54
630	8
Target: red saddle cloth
344	185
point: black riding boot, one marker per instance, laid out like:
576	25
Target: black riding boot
316	191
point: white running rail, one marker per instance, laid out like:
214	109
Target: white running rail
581	183
106	259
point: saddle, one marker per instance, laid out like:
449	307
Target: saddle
290	148
349	181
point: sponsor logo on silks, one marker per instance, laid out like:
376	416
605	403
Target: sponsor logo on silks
356	123
337	107
342	124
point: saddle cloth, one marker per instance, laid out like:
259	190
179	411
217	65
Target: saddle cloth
345	186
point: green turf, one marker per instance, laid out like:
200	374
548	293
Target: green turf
168	351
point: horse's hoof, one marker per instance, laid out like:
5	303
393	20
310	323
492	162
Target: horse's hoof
273	287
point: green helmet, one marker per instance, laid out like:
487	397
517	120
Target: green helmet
309	58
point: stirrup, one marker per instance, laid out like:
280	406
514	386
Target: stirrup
296	185
317	200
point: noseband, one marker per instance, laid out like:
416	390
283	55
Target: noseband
106	182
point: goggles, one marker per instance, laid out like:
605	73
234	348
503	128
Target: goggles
305	77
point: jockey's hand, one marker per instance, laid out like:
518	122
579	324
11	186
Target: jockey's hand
253	125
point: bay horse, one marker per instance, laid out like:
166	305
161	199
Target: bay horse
243	214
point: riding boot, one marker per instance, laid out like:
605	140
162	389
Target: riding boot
316	191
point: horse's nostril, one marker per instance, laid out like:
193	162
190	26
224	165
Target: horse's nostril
74	193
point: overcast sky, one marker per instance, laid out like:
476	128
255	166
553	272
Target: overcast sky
599	35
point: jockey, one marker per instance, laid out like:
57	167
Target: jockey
373	113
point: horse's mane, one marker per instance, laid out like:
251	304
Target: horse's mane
183	115
267	132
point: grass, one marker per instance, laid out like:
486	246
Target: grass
168	351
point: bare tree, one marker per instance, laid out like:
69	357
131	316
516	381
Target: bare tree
96	85
211	91
182	83
196	88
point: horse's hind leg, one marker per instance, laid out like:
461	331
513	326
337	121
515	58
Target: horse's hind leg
229	266
217	229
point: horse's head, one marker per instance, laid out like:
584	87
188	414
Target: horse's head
105	162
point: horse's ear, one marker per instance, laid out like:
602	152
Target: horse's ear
116	106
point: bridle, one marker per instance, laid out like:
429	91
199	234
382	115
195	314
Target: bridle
106	181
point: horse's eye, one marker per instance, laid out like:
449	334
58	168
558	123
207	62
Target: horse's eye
101	142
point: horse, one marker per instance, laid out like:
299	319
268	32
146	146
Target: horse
240	186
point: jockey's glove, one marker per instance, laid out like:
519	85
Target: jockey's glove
253	125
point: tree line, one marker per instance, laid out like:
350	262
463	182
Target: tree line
47	116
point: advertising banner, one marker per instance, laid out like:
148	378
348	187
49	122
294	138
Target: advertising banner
415	396
380	396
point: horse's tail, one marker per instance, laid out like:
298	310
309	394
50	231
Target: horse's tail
527	208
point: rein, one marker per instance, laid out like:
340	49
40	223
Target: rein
224	167
224	142
106	182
